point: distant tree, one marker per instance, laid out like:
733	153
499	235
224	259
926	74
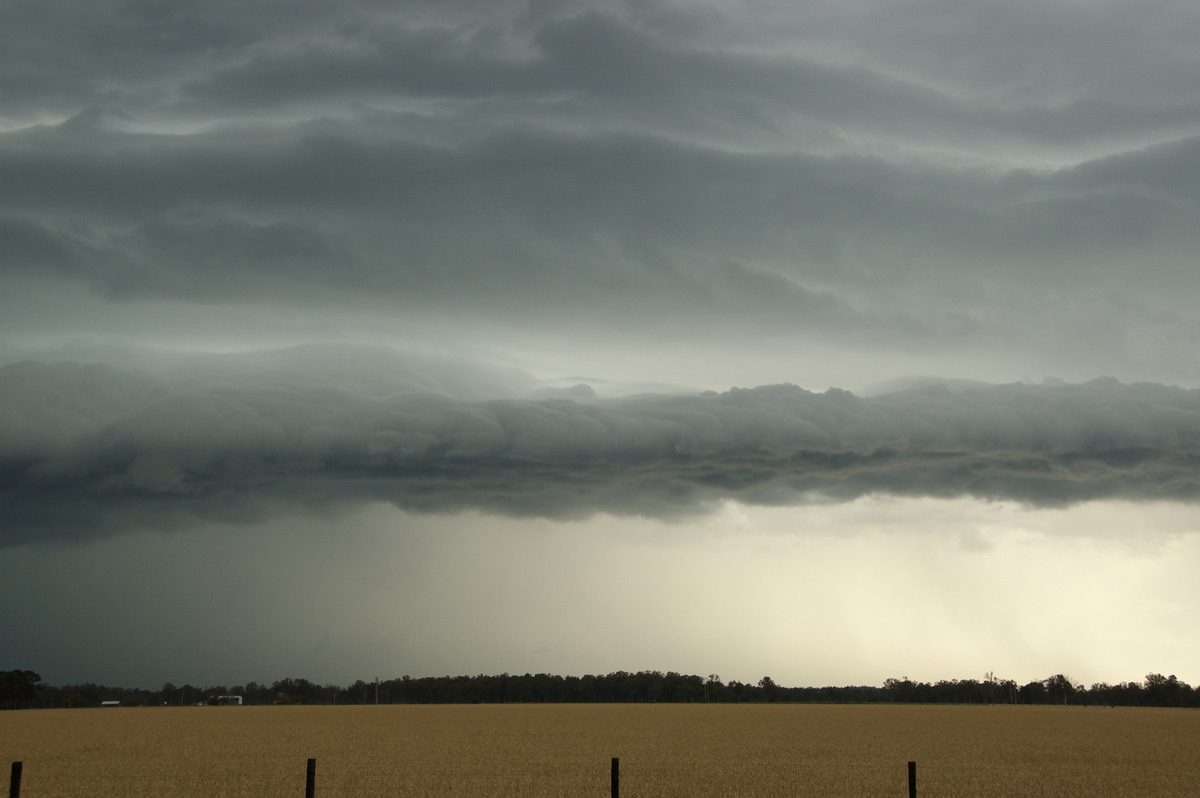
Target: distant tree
713	689
1166	691
258	693
1032	693
302	691
900	690
18	688
1059	688
24	689
770	690
1010	690
1129	694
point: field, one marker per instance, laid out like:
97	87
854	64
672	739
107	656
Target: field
566	750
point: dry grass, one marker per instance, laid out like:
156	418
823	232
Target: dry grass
565	750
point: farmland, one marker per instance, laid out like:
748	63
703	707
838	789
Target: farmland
559	750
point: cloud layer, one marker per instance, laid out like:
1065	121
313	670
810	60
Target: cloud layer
89	450
681	172
682	182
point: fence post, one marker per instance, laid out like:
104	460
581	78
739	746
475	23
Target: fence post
14	781
310	780
912	780
616	777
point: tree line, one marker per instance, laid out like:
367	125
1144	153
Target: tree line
25	689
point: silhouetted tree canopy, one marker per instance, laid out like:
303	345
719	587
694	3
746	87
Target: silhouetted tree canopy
23	689
18	688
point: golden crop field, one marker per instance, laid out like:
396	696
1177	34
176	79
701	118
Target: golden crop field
566	750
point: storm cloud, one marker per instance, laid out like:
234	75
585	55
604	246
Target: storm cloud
454	294
89	450
669	170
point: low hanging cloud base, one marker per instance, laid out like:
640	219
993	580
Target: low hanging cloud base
89	451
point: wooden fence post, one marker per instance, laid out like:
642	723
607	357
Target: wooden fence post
14	781
912	780
310	780
616	777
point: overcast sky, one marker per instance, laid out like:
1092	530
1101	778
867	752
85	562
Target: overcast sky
830	341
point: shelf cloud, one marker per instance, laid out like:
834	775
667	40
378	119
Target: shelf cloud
89	450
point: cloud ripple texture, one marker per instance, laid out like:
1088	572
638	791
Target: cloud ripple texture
91	450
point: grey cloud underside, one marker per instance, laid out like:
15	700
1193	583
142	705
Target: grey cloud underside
800	180
93	450
593	66
630	63
688	171
544	227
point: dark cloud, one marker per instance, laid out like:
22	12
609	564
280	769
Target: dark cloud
92	450
604	67
666	170
576	231
1169	170
993	76
62	52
